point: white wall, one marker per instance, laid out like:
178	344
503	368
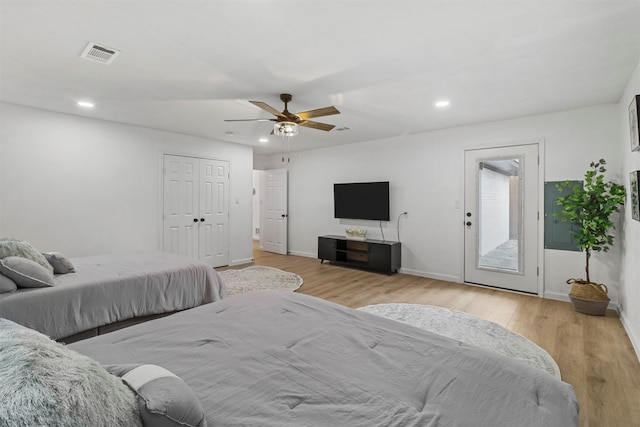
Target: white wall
630	245
261	162
426	177
83	186
1	157
257	187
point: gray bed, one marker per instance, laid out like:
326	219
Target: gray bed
287	359
107	289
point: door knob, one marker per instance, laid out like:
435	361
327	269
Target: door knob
195	219
201	219
468	223
468	213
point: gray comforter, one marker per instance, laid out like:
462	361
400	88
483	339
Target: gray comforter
286	359
111	288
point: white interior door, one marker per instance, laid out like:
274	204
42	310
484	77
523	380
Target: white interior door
196	208
181	204
273	236
501	217
214	212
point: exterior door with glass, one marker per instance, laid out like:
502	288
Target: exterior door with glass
501	217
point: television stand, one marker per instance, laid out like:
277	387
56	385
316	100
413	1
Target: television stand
377	255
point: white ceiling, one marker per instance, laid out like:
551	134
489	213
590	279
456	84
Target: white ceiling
187	65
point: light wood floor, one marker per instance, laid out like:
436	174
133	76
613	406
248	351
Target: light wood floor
594	353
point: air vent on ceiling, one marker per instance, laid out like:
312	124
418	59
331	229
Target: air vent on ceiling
102	54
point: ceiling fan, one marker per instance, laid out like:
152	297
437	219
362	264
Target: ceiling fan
300	119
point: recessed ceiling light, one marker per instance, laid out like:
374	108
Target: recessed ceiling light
442	103
85	104
264	140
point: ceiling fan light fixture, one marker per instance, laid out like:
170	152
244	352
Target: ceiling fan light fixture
285	128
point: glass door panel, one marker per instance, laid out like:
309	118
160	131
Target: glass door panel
499	214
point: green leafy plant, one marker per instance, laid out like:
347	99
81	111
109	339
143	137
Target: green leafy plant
590	207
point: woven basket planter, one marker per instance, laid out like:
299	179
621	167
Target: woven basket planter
588	298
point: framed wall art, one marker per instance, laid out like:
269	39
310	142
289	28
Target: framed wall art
635	195
634	120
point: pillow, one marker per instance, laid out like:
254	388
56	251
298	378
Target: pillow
13	247
60	263
6	324
46	384
163	398
7	285
25	273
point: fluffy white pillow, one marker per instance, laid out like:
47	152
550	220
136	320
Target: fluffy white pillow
13	247
46	384
25	273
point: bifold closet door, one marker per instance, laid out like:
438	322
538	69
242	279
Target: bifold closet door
181	205
196	208
214	210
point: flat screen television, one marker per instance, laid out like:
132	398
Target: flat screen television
362	200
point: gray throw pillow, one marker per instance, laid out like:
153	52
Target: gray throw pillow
44	383
164	399
13	247
60	263
25	273
7	285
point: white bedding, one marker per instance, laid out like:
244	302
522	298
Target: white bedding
280	359
111	288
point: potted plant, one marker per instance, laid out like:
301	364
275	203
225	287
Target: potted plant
590	206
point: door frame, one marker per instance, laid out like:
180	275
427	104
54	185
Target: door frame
160	193
541	180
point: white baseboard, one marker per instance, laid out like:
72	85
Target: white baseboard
556	296
430	275
304	254
635	341
241	261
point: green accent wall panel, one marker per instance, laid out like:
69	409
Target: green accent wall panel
557	232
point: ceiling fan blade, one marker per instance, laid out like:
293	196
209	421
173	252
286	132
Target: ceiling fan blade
268	108
319	112
250	120
316	125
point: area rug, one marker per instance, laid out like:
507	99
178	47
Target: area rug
257	278
470	330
